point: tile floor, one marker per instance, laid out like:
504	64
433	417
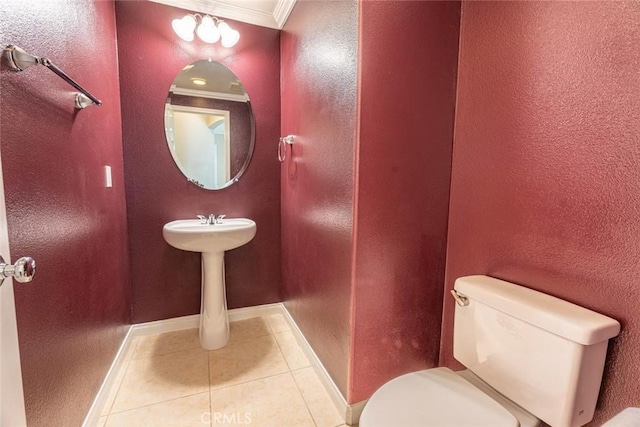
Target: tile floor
261	378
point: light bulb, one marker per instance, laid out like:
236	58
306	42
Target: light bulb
207	30
223	27
230	38
184	27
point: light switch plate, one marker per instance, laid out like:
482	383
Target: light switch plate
107	176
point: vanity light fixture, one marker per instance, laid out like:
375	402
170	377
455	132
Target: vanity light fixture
210	30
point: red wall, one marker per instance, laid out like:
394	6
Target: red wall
166	281
546	172
72	317
319	83
407	88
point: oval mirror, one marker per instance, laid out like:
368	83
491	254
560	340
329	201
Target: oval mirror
209	125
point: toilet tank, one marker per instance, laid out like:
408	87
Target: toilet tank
541	352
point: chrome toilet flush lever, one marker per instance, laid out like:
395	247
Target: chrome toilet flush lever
461	300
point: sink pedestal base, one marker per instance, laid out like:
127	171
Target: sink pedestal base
214	321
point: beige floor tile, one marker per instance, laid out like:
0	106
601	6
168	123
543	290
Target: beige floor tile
322	408
292	352
157	379
169	342
113	391
278	323
187	411
101	422
243	361
273	401
249	328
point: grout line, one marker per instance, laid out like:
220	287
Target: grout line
248	339
209	391
271	333
124	368
158	403
282	353
250	381
167	353
306	404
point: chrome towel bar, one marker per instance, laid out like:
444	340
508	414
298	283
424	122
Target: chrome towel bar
19	60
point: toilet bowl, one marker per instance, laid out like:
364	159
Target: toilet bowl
530	358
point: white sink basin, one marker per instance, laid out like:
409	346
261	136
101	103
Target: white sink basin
212	240
191	235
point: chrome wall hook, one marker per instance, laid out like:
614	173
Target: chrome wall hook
282	147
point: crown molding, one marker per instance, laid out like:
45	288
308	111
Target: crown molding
238	11
207	94
282	11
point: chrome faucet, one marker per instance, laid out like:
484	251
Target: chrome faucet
212	219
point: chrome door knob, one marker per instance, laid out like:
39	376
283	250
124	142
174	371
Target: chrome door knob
22	271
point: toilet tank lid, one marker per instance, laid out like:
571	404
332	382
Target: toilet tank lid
552	314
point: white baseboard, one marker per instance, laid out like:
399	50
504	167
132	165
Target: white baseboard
351	413
189	322
166	325
100	400
354	411
244	313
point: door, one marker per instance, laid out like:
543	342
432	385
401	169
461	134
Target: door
11	395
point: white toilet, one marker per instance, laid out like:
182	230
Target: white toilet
530	357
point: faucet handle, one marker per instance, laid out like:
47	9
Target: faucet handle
220	218
203	219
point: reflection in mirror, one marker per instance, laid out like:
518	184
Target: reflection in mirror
209	125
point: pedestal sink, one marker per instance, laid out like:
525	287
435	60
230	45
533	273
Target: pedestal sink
211	240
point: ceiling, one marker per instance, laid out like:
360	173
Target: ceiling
265	13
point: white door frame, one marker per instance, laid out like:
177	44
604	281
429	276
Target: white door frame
12	412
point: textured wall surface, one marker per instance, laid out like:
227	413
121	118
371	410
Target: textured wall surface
319	83
546	170
406	133
166	281
72	317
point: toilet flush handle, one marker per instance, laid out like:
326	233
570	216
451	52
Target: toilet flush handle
461	300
